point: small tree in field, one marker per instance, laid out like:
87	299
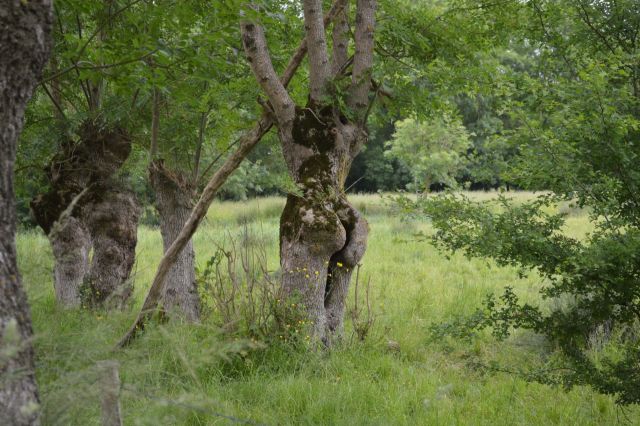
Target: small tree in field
433	150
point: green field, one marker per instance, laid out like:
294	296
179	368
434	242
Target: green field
181	374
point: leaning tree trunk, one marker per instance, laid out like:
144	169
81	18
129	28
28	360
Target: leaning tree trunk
112	218
322	236
24	49
174	203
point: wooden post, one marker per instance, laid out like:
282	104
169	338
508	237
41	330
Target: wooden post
110	388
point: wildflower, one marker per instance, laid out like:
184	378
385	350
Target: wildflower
339	264
306	275
317	272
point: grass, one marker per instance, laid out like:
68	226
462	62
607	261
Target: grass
194	375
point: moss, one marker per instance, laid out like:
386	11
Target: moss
323	228
313	128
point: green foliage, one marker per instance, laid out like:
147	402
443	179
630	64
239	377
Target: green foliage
576	128
433	150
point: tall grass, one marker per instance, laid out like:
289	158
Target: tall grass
195	375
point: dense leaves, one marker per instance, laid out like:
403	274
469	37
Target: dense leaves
576	135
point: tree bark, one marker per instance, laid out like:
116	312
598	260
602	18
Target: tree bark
112	215
71	244
174	203
322	236
24	49
319	66
87	165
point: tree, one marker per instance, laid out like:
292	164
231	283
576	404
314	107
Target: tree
24	49
245	144
577	137
93	139
322	236
434	151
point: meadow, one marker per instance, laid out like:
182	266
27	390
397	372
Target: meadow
198	375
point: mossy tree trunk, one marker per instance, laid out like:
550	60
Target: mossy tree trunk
174	203
25	43
86	165
322	236
246	143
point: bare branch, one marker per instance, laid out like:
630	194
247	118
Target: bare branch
255	46
201	131
319	67
155	125
340	35
302	50
363	58
56	103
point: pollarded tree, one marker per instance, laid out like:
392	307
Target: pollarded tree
24	49
322	236
92	142
198	85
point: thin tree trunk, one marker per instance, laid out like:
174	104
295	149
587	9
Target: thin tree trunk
24	49
174	203
112	218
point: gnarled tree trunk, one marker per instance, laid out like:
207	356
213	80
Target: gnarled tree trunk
24	49
111	215
78	166
246	143
322	236
174	203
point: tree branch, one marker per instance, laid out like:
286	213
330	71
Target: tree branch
155	125
88	41
55	102
288	73
340	36
319	67
255	47
363	58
